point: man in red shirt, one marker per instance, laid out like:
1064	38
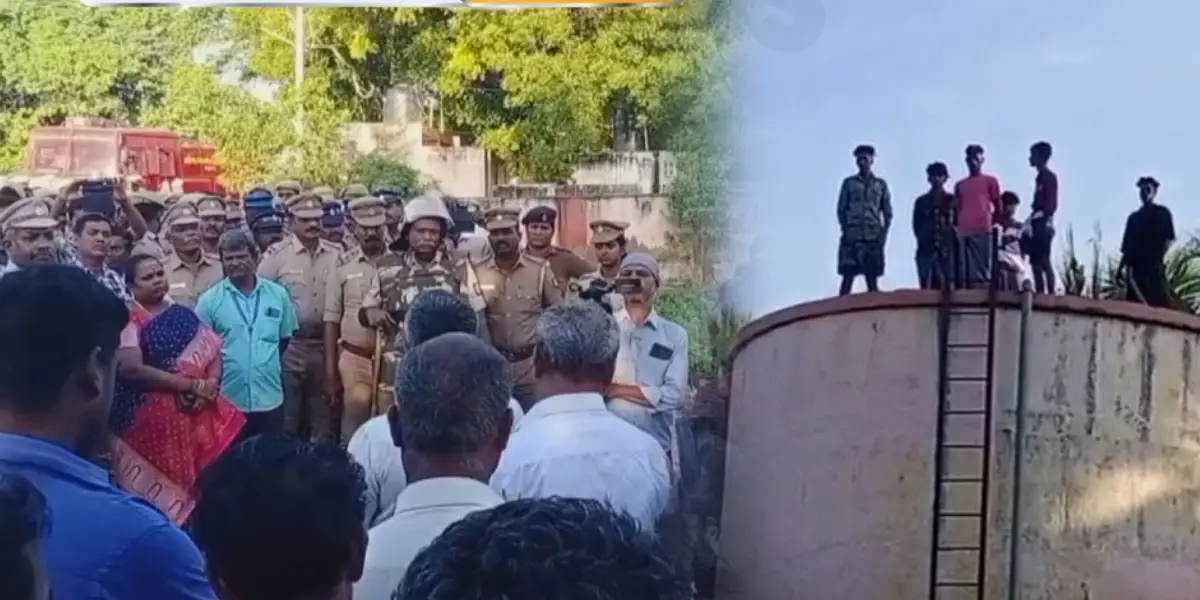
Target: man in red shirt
1041	222
978	198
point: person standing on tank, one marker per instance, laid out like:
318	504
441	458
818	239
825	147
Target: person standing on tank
1149	232
864	212
978	198
1041	220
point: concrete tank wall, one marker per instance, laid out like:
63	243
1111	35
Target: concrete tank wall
829	479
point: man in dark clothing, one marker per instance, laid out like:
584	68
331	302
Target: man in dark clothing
933	227
1148	234
1041	221
864	213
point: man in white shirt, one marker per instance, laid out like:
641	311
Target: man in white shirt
569	444
433	313
650	385
451	417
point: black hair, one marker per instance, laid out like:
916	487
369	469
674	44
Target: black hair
937	169
52	317
1008	198
864	150
89	217
1041	150
280	518
24	519
973	150
552	548
130	267
437	312
1147	181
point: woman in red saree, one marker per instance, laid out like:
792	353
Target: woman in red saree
168	417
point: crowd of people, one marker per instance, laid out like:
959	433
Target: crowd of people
312	394
961	232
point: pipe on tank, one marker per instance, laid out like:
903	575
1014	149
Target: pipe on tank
1014	544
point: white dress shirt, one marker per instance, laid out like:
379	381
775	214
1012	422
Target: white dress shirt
572	446
9	267
423	510
372	447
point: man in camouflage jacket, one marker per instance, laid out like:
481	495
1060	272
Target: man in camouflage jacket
416	263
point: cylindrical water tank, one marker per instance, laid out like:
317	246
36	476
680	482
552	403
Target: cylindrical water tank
832	422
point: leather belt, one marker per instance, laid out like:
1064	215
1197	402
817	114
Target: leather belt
516	356
310	332
357	350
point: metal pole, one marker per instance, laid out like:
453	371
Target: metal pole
1014	544
299	43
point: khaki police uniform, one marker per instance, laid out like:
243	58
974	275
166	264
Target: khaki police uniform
512	301
285	190
28	214
343	299
211	211
187	281
603	232
355	190
304	273
567	265
151	244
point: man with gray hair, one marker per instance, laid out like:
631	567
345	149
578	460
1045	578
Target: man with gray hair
650	385
451	418
433	313
568	443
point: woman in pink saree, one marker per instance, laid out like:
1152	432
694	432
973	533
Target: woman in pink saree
168	417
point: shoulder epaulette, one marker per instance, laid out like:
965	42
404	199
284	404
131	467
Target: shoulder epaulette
349	256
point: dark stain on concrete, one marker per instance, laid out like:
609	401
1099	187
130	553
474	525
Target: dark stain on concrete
1146	391
1187	381
1089	387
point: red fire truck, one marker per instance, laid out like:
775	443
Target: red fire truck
164	159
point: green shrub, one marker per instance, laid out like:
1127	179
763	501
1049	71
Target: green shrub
692	308
379	169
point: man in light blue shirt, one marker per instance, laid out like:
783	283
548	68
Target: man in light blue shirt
257	319
650	384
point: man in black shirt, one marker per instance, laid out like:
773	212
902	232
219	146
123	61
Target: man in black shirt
933	223
1148	234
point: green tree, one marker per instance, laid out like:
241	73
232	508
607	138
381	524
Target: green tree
61	58
541	89
384	170
1103	279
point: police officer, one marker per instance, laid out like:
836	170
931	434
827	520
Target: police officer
395	209
302	263
256	201
539	223
267	229
333	221
287	189
211	211
150	206
190	270
349	346
512	288
416	263
29	234
608	243
355	191
235	216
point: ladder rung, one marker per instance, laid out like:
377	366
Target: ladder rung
963	446
961	515
963	411
961	480
968	312
956	584
959	549
967	346
966	379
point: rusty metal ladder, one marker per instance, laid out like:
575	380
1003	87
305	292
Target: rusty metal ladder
963	451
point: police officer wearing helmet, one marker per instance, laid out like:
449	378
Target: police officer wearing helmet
267	229
417	263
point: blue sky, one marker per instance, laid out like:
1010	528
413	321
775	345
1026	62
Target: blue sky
1114	86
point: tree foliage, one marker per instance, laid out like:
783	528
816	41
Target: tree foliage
1102	278
541	89
61	59
384	170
